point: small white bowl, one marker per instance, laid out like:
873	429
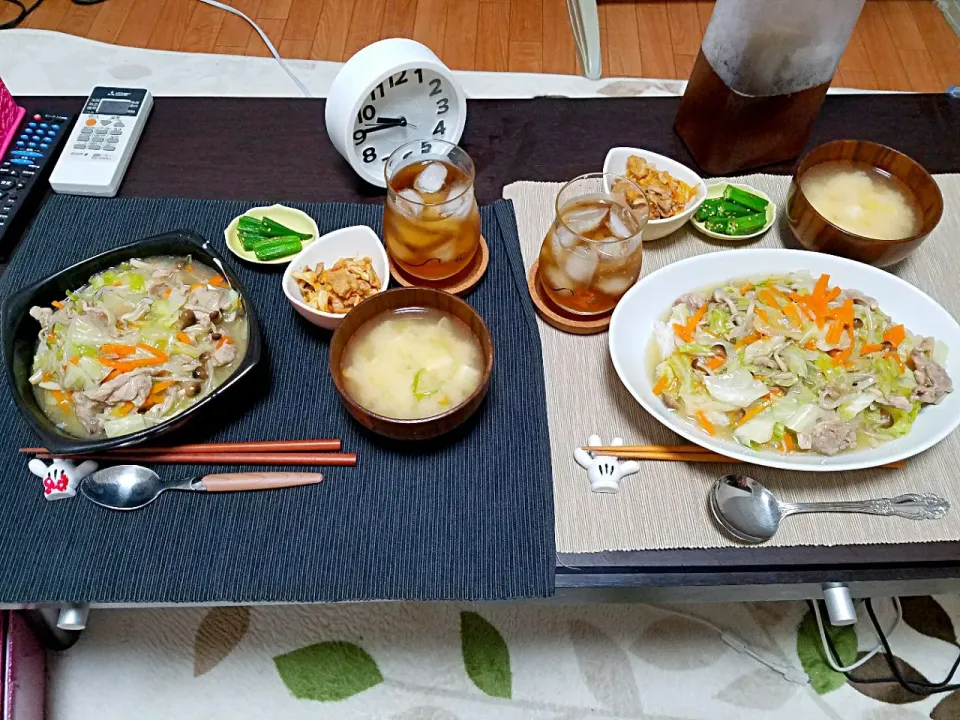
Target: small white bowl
291	217
616	163
715	190
349	242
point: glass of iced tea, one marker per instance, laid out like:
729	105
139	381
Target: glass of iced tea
593	250
431	224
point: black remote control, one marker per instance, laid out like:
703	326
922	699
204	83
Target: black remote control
24	170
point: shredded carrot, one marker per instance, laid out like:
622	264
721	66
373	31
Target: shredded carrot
762	314
161	386
661	385
832	295
62	397
746	340
843	356
195	286
746	288
152	351
812	345
871	348
767	298
168	292
787	442
793	315
777	294
52	338
705	423
684	331
118	350
153	400
188	268
752	412
835	332
218	281
844	313
58	305
123	410
184	338
895	335
777	391
716	361
74	360
803	304
820	289
47	377
110	376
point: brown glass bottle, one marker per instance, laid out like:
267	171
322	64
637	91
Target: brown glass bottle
727	131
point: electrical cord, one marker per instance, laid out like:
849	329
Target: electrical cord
266	40
25	11
921	688
866	658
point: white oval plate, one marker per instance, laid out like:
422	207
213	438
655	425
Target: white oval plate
631	332
616	164
715	190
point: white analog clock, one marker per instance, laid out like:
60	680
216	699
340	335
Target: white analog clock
388	94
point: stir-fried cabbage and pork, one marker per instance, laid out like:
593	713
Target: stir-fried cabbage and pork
136	345
791	364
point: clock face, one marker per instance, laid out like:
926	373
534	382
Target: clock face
410	104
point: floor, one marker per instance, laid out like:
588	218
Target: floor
898	44
512	661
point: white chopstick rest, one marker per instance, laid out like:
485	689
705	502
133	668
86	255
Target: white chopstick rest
62	478
604	471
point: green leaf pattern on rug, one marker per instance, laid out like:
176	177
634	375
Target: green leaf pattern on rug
485	656
219	633
328	671
823	678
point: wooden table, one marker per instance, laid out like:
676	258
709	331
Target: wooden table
277	149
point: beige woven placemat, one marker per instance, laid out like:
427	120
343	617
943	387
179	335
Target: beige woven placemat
664	505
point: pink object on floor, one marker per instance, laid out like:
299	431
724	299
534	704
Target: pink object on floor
24	664
10	116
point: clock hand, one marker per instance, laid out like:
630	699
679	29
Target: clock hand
401	121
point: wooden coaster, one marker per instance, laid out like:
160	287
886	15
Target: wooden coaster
558	317
459	284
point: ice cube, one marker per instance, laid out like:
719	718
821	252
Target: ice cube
616	250
614	285
460	202
562	240
409	202
431	178
580	264
586	220
621	225
447	252
553	276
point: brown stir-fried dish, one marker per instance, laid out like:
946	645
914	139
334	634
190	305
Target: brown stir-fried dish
136	345
666	195
347	283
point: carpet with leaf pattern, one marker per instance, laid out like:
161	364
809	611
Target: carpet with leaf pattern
464	662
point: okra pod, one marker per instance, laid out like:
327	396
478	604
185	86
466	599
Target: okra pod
278	247
272	228
754	202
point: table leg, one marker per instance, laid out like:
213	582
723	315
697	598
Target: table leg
585	23
43	623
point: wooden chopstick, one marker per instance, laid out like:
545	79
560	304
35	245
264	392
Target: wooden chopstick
219	458
679	453
331	445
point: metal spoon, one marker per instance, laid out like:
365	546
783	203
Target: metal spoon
130	487
751	513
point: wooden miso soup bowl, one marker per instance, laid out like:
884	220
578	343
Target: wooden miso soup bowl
815	232
400	298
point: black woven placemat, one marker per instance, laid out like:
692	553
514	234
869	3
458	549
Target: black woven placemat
466	517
